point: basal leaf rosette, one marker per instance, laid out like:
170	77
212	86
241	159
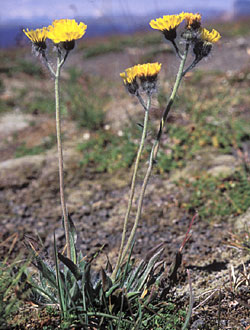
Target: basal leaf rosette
38	37
168	25
147	75
66	32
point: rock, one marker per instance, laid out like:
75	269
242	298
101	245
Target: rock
212	163
242	222
221	170
19	172
14	122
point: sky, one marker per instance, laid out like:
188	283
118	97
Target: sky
54	9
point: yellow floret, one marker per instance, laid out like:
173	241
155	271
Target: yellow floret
212	36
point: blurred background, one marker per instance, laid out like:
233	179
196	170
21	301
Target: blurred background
106	16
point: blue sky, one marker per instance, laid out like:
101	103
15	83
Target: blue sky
53	9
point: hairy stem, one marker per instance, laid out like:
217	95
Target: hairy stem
176	49
60	156
191	66
132	188
154	152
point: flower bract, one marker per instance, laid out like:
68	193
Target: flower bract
66	31
193	20
37	37
167	24
211	37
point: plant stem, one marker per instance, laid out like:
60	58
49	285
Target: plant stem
154	152
132	188
176	49
191	66
60	156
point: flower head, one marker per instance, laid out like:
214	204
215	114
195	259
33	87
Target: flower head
147	73
167	24
66	31
203	44
37	37
193	20
211	37
148	70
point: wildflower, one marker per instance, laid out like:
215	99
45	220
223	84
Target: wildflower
147	73
203	45
66	31
193	20
167	25
38	38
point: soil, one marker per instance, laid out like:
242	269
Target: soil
30	201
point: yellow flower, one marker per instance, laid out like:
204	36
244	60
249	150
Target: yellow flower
140	70
129	75
129	79
193	20
167	24
203	44
66	30
147	74
37	36
148	70
211	37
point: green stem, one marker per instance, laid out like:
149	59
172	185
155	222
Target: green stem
191	66
60	156
132	188
176	49
154	152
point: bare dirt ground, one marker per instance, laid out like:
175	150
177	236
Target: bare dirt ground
30	203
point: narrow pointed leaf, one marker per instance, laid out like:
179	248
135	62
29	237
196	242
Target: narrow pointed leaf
45	270
106	281
61	295
70	264
147	271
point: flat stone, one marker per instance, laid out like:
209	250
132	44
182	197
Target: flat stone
221	170
14	122
242	222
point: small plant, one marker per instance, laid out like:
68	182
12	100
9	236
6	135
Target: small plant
82	105
23	150
108	152
94	300
131	295
218	197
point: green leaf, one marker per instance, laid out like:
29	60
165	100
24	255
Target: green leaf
46	271
71	266
61	293
106	281
149	268
72	238
132	280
